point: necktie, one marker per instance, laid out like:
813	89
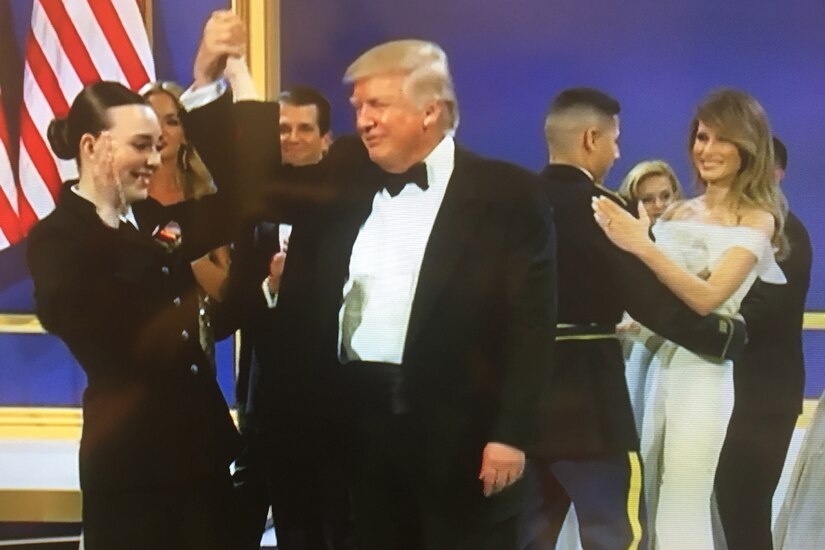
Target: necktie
416	174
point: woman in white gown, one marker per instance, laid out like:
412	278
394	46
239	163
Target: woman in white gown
708	250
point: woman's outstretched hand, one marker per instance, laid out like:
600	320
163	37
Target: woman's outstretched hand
625	231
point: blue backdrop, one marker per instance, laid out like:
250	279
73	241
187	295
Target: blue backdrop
658	57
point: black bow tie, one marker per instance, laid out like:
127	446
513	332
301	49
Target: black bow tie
417	174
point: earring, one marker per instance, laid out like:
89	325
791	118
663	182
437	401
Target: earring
184	157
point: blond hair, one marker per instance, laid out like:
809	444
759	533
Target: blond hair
629	189
192	174
426	69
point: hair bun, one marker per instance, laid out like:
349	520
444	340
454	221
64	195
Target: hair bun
58	134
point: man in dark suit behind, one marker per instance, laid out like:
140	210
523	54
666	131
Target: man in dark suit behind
427	278
309	497
768	388
589	449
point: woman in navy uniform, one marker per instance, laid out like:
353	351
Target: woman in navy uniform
112	279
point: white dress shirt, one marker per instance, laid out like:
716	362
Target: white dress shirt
192	99
386	262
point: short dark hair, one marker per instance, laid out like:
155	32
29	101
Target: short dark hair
585	97
304	95
780	153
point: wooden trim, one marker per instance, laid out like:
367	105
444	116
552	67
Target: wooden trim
66	422
262	18
808	408
24	323
29	505
46	422
814	320
40	423
147	10
20	323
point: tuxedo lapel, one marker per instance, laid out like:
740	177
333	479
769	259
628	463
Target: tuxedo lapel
456	221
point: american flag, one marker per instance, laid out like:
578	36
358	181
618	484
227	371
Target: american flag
9	224
69	45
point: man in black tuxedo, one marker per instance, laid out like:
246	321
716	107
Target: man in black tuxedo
589	449
425	282
298	409
303	507
768	389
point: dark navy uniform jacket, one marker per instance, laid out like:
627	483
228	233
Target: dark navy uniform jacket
126	306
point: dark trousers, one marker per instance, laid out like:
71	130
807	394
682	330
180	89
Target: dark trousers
609	499
251	492
198	516
307	476
749	469
392	510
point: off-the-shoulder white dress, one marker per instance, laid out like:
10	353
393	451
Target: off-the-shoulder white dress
690	397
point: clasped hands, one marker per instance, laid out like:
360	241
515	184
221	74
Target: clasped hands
224	38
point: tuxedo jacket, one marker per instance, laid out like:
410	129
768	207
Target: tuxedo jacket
293	398
480	334
771	377
127	308
252	251
587	412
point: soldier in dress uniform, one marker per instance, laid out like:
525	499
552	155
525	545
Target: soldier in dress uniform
589	448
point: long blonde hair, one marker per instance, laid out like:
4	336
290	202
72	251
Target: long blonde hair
740	119
192	173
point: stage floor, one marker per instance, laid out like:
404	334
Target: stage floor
40	496
40	500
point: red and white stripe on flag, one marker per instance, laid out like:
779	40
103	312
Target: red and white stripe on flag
70	45
9	224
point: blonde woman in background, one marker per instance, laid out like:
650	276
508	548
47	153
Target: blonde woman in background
181	176
655	185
